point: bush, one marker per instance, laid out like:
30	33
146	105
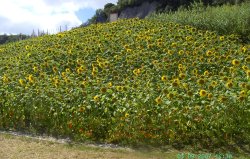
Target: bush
226	19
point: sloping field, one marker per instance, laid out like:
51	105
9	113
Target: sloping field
129	82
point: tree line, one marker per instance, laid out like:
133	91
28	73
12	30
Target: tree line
12	38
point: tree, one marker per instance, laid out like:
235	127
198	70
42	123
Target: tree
3	38
108	8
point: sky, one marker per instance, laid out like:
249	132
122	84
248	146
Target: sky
24	16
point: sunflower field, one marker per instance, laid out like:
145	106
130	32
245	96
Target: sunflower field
130	81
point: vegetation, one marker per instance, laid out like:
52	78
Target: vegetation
12	38
132	81
169	5
226	19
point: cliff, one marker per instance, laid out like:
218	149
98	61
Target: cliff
140	11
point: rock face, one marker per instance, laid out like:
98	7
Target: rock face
139	11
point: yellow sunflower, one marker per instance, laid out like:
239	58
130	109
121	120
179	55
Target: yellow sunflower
203	93
164	78
236	62
158	100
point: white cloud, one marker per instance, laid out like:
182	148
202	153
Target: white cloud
22	16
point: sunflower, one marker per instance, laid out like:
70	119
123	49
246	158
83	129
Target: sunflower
210	87
174	45
244	49
182	75
31	78
243	93
103	90
214	83
225	78
209	53
190	93
245	68
197	108
159	44
158	100
248	73
181	52
35	68
222	99
185	86
170	95
49	50
241	98
56	82
119	88
206	73
137	71
170	52
106	64
109	84
96	98
247	60
83	84
229	84
54	69
176	82
201	81
5	79
210	95
150	46
93	73
164	78
195	71
27	47
222	38
208	107
203	93
165	91
180	66
126	115
243	85
236	62
63	74
21	82
79	70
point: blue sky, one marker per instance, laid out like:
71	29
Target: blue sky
85	13
24	16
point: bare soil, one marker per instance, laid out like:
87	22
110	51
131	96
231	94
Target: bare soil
16	146
19	147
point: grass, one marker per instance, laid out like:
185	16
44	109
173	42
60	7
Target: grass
226	19
26	147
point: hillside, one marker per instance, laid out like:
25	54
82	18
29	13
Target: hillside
143	8
129	82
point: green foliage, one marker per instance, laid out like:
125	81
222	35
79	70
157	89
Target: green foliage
170	5
131	81
12	38
127	3
108	8
226	19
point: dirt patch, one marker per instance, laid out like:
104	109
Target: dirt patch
21	146
17	147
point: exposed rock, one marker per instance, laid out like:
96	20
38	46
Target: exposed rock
139	11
